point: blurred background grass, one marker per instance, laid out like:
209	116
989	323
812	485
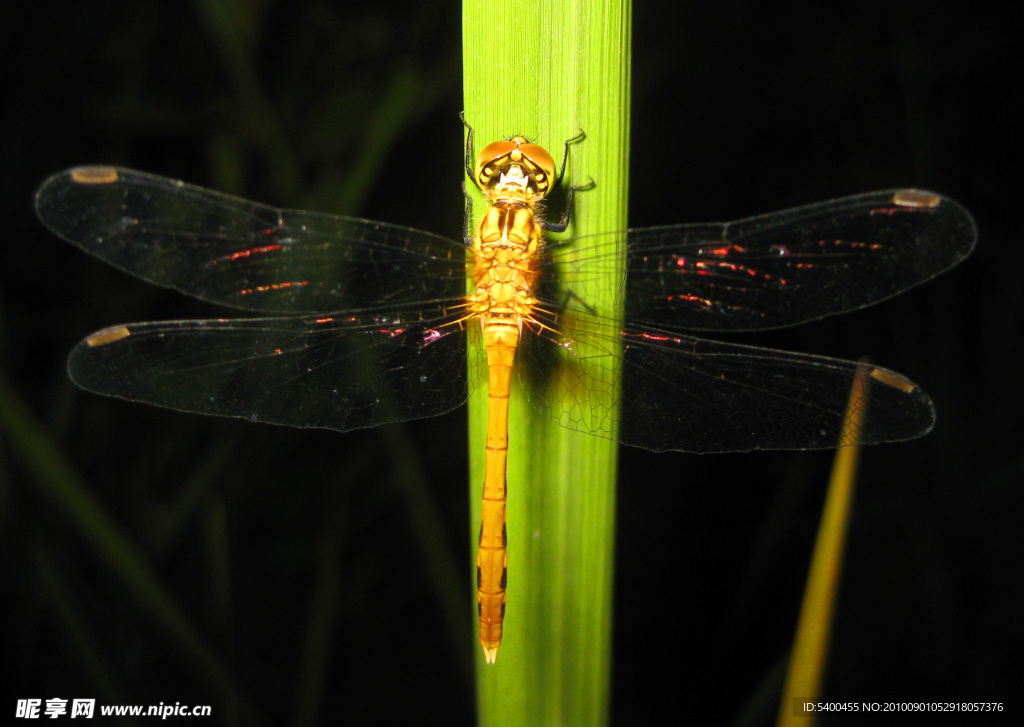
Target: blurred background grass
153	556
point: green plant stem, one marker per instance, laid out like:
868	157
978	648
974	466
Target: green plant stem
547	70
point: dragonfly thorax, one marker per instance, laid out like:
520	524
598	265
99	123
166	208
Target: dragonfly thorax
505	245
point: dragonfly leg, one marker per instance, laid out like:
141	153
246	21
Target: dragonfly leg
565	154
468	159
467	231
563	223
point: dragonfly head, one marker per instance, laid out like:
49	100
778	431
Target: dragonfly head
497	159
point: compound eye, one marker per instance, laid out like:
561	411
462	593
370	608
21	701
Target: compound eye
489	158
543	171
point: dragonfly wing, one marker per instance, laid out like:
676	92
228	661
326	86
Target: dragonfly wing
683	393
570	369
779	269
231	251
694	395
333	374
689	394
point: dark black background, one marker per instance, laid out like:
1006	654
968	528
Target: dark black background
739	108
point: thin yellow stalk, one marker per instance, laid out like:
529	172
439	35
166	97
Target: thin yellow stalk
810	647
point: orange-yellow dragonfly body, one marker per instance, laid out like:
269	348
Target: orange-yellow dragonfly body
514	176
366	323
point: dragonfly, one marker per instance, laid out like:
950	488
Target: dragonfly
363	323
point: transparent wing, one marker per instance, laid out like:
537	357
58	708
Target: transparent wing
231	251
353	365
689	394
303	372
778	269
680	392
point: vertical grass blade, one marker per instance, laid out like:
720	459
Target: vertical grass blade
547	70
810	647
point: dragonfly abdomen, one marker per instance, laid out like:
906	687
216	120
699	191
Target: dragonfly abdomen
501	339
